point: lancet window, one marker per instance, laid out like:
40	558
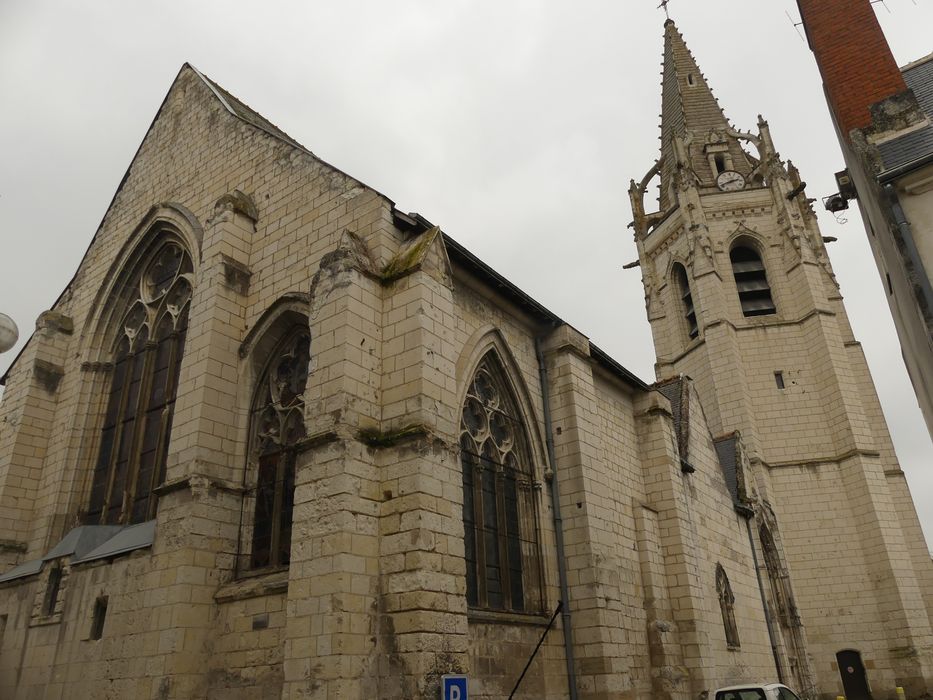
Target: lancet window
727	606
682	288
502	560
277	427
781	596
751	281
147	356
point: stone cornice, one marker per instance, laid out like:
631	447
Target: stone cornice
817	461
190	481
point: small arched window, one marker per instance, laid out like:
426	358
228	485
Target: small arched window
751	281
277	425
727	606
52	589
500	528
146	360
682	288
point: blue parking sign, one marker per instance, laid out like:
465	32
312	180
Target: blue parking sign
454	687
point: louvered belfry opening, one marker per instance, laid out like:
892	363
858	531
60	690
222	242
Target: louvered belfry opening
683	288
500	528
751	281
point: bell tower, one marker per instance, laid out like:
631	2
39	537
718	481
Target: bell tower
741	297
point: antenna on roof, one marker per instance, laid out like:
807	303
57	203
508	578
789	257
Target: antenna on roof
797	25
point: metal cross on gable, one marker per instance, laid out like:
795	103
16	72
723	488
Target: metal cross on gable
664	5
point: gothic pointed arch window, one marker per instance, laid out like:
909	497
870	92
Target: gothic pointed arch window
727	606
500	524
147	351
277	425
751	280
682	289
781	595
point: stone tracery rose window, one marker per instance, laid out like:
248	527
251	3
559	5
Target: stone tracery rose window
146	359
277	427
501	548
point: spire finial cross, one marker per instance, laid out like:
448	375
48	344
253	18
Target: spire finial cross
664	5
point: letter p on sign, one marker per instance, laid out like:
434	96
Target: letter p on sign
454	688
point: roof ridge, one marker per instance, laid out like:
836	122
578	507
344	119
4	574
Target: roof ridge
243	111
917	62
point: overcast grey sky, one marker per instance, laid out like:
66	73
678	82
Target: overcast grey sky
515	125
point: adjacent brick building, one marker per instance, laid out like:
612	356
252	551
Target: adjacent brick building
882	116
278	439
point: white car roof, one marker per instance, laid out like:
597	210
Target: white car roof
746	686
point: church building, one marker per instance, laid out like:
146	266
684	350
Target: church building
277	439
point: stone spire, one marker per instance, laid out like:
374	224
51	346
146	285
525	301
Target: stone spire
690	112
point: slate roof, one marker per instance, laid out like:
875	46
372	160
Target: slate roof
82	540
126	540
916	145
28	568
726	451
90	542
675	391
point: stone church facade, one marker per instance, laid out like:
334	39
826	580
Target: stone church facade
278	439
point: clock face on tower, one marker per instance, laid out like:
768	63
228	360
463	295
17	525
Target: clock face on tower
730	181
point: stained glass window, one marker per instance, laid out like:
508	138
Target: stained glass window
277	426
146	360
503	570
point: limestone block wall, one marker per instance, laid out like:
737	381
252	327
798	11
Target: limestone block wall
20	460
58	658
500	645
696	528
821	438
498	652
721	537
602	460
247	648
195	153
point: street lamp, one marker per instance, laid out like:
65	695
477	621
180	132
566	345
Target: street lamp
9	333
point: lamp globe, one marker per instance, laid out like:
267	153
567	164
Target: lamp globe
9	333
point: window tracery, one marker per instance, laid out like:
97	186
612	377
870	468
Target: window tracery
727	606
501	548
277	426
781	596
147	356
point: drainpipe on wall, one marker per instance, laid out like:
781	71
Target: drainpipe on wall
558	524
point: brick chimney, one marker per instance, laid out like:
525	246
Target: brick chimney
853	56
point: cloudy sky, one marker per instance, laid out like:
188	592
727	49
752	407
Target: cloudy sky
515	125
